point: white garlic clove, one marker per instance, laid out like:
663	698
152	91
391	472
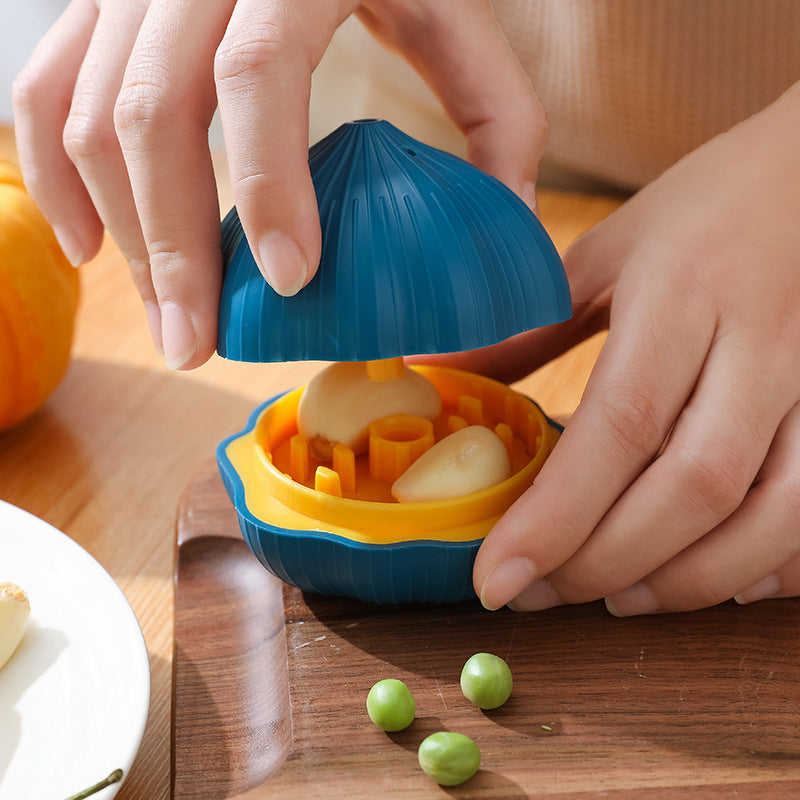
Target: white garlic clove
466	461
340	402
14	610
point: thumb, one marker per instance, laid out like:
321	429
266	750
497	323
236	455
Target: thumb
463	55
514	358
592	287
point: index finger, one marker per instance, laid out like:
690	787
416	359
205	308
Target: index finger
263	77
643	377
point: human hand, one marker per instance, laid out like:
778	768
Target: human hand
113	110
676	484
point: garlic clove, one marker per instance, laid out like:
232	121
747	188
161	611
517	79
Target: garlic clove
471	459
341	402
14	610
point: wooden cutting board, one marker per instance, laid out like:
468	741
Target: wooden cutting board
270	687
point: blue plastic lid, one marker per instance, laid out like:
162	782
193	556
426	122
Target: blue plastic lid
421	253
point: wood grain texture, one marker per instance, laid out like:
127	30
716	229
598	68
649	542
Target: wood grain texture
702	705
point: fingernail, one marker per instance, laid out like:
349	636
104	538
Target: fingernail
154	323
537	597
179	338
765	588
506	581
70	244
529	196
636	599
282	263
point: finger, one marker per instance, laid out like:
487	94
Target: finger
643	377
42	95
520	355
460	50
263	76
162	116
752	555
591	273
715	450
91	142
783	582
781	468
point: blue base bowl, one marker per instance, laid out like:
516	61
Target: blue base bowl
317	561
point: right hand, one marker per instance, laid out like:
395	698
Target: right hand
112	116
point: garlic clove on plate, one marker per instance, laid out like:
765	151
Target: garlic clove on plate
14	610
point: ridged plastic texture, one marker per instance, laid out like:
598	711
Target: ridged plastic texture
421	253
316	561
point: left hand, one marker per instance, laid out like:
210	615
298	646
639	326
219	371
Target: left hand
676	484
112	114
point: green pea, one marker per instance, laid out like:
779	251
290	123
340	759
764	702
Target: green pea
390	705
486	680
449	758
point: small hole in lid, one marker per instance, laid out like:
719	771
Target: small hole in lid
410	151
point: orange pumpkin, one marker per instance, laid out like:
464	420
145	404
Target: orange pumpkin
38	303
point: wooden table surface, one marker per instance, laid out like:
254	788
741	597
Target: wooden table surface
108	457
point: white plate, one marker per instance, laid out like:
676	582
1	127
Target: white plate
74	696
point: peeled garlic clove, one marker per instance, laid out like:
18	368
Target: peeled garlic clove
466	461
340	402
14	610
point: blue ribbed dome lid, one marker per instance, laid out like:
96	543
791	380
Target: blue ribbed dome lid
421	253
